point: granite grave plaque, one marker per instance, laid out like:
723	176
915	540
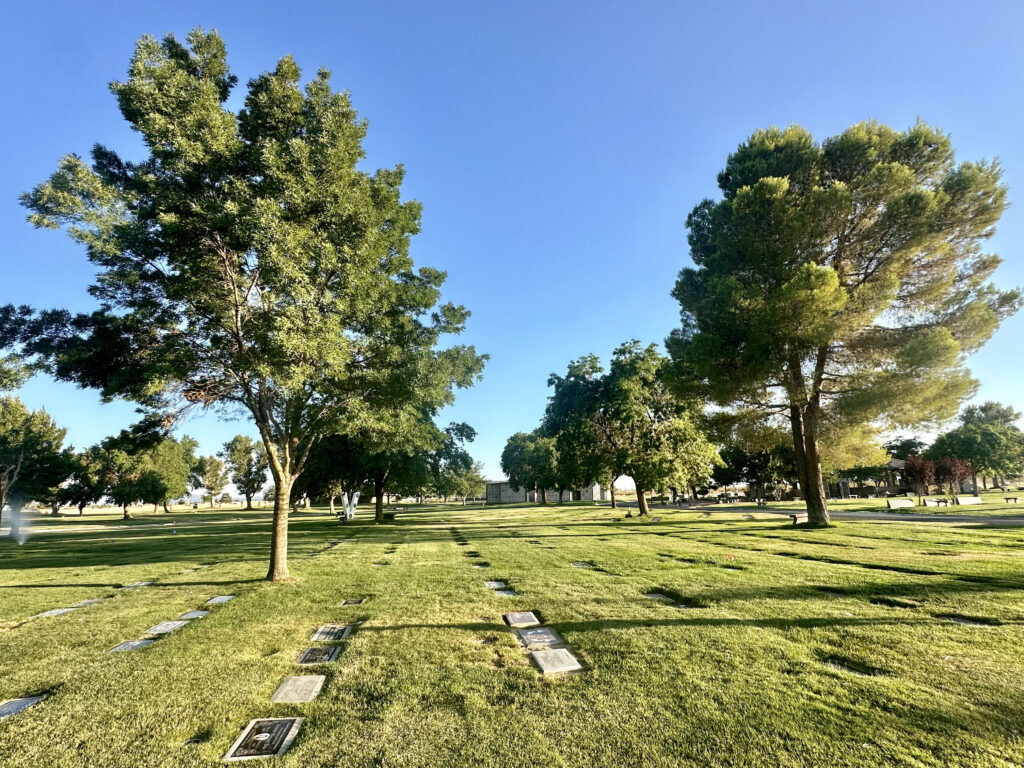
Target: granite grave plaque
506	593
14	706
84	603
331	633
165	627
220	599
519	619
53	612
539	637
189	615
132	645
556	661
298	689
354	601
495	584
319	655
265	737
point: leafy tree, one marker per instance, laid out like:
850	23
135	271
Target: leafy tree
950	473
450	467
985	447
215	475
246	262
85	484
33	461
641	429
531	461
247	461
920	474
762	460
904	447
990	412
841	283
168	466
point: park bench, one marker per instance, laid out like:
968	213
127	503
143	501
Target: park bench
899	503
965	501
798	517
1012	499
936	502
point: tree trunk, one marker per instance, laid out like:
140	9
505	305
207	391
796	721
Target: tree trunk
279	537
378	492
156	507
248	501
641	502
542	495
81	509
330	503
611	490
126	514
974	481
54	508
808	463
167	508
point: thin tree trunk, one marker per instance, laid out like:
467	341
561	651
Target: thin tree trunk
330	503
167	508
279	538
81	509
126	514
248	501
378	492
974	481
54	508
817	506
611	490
641	501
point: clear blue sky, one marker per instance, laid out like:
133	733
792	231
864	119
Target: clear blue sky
556	147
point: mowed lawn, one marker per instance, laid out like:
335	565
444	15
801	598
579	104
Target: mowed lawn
867	644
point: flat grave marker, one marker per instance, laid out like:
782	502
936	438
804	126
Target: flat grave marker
298	689
556	661
165	627
53	612
331	633
265	737
83	603
538	638
132	645
521	619
14	706
319	655
354	601
137	584
189	615
220	599
581	564
506	593
495	584
658	596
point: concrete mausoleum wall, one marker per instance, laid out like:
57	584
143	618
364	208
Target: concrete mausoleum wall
499	492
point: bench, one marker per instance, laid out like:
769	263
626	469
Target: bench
1012	499
965	501
798	517
936	502
900	503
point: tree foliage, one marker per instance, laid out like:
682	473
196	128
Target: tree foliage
841	283
246	262
247	464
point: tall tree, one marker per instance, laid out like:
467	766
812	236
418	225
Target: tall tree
991	448
247	462
246	262
841	282
920	474
215	475
168	467
85	484
33	461
633	423
530	460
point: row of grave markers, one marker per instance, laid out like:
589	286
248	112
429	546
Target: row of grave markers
269	737
545	646
166	627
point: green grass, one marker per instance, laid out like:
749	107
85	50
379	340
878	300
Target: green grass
761	670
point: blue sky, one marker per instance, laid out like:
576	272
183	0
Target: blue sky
557	148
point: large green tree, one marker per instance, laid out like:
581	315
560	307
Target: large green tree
215	475
987	448
841	284
530	460
245	262
33	461
247	462
637	426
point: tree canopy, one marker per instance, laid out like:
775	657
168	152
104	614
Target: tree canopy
841	284
247	464
246	263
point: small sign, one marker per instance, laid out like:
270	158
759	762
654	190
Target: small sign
265	738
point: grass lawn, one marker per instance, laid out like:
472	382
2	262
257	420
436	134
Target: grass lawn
867	644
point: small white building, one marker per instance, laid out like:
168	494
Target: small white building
500	492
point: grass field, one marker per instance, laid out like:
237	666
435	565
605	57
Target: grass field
867	644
